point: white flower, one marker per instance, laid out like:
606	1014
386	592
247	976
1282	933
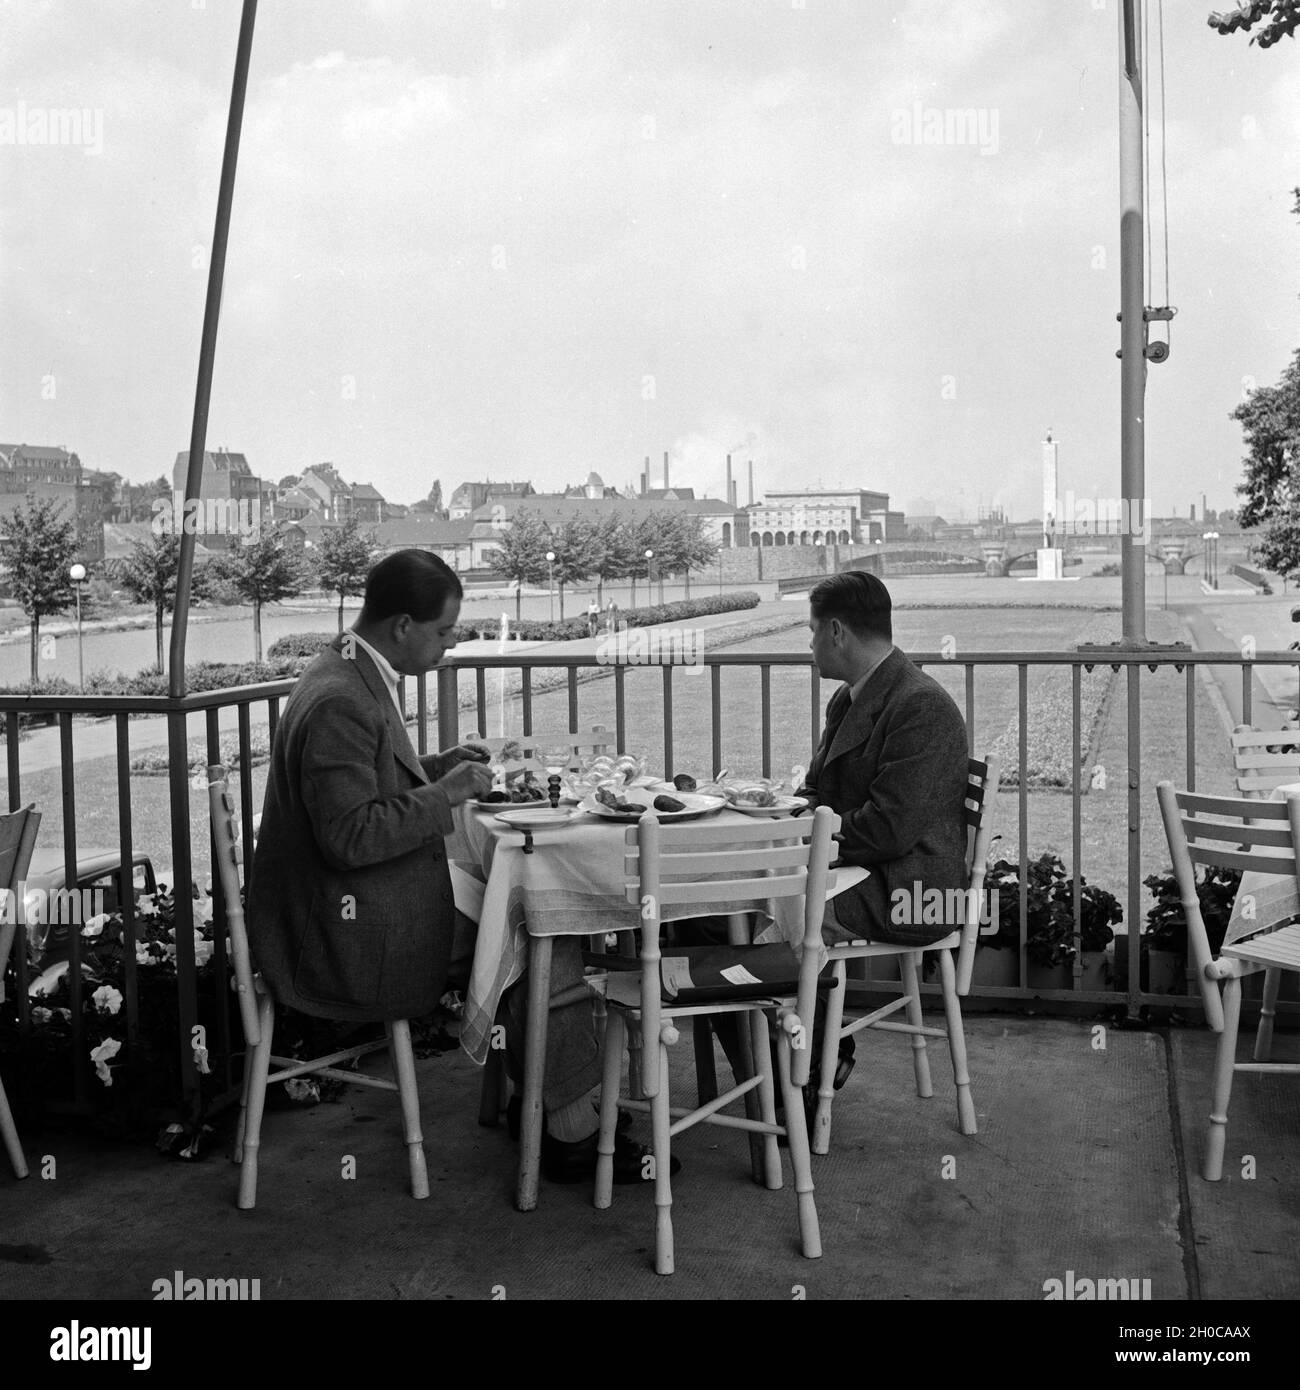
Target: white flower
143	956
202	950
41	1015
94	925
302	1089
100	1055
146	906
107	999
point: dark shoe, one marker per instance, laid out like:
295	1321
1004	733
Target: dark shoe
570	1163
515	1118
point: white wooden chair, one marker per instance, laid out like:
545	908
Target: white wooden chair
1264	759
728	867
1246	834
17	840
981	792
257	1013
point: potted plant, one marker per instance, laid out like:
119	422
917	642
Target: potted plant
1165	941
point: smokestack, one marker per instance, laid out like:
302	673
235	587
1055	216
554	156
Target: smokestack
665	470
728	492
645	476
731	496
751	482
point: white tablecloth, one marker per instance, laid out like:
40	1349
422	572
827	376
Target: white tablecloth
570	885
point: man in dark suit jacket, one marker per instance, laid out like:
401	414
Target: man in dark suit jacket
350	911
891	761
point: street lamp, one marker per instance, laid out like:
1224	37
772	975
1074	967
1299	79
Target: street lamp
649	574
550	580
78	576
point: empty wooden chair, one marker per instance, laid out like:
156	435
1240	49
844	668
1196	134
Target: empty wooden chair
1250	835
727	868
17	840
981	792
257	1014
1264	759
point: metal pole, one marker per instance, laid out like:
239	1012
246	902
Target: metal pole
1133	335
208	344
81	668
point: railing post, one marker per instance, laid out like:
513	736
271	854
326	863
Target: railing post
448	707
178	779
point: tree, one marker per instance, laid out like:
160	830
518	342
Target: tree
614	551
435	496
521	556
148	574
264	572
38	549
1270	421
575	549
1279	18
344	561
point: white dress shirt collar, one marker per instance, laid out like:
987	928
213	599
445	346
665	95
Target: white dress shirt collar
385	669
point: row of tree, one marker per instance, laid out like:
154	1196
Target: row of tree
610	547
39	547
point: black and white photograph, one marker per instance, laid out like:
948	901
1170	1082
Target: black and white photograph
650	651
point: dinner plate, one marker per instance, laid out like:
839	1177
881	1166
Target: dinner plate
781	807
531	817
694	803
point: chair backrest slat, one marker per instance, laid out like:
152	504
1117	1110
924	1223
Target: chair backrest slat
981	793
1265	759
17	841
225	840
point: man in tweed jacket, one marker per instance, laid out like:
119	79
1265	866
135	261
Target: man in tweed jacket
891	761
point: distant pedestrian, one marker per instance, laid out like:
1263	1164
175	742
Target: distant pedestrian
611	616
593	617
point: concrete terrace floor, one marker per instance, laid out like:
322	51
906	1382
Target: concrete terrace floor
1087	1160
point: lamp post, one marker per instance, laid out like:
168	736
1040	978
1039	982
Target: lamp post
649	574
550	580
78	576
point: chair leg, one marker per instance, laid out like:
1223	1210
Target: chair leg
10	1132
490	1093
912	989
706	1072
796	1129
238	1155
399	1038
821	1135
1267	1011
1223	1069
957	1044
762	1044
259	1067
660	1120
615	1035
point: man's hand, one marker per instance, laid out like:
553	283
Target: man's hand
467	753
467	781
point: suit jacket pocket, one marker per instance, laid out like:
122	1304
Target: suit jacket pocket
341	962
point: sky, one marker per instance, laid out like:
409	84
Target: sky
535	238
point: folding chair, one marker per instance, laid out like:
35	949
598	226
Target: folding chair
981	792
731	868
1246	834
1265	759
17	840
257	1014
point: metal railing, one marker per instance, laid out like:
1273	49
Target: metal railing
462	685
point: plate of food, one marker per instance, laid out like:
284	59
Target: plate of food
631	803
519	790
760	801
534	817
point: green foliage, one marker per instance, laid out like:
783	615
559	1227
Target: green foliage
1280	19
148	574
38	549
266	571
1216	887
344	560
1049	910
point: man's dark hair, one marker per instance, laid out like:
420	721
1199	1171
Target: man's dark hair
409	581
858	599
